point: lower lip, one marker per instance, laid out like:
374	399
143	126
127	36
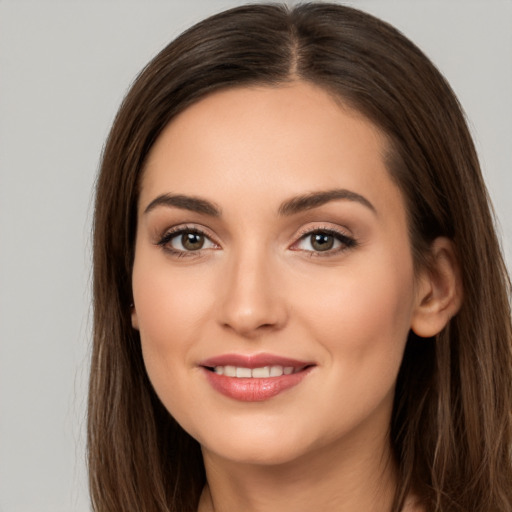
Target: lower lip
251	389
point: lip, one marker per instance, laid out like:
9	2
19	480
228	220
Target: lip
254	389
253	361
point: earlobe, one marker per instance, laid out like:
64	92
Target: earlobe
133	313
439	293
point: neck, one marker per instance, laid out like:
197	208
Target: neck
333	478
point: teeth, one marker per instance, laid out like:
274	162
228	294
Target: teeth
276	371
230	371
260	373
243	372
255	373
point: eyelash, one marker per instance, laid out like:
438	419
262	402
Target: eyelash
346	241
164	242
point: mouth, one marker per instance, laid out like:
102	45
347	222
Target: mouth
254	378
263	372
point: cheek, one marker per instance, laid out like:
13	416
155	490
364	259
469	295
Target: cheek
361	319
171	309
168	302
361	313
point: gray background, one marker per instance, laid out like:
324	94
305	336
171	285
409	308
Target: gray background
64	67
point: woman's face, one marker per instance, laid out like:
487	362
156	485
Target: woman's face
273	279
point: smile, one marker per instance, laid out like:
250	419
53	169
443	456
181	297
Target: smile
254	378
254	373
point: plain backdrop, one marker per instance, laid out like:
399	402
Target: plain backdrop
64	68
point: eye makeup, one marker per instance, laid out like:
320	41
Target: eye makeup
191	241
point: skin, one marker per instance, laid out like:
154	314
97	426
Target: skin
258	285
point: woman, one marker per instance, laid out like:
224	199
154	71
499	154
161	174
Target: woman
300	301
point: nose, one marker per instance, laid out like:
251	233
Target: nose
251	297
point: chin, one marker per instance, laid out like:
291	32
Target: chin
256	454
258	446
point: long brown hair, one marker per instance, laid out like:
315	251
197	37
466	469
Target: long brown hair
451	427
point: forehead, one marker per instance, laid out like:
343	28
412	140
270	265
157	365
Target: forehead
269	143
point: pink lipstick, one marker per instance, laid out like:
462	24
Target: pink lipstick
254	378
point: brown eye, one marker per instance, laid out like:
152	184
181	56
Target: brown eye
185	241
325	241
322	241
192	241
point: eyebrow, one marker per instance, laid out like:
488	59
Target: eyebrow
316	199
191	203
290	207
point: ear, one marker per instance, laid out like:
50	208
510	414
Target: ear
135	319
439	292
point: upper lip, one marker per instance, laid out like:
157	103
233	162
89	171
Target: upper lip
253	361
